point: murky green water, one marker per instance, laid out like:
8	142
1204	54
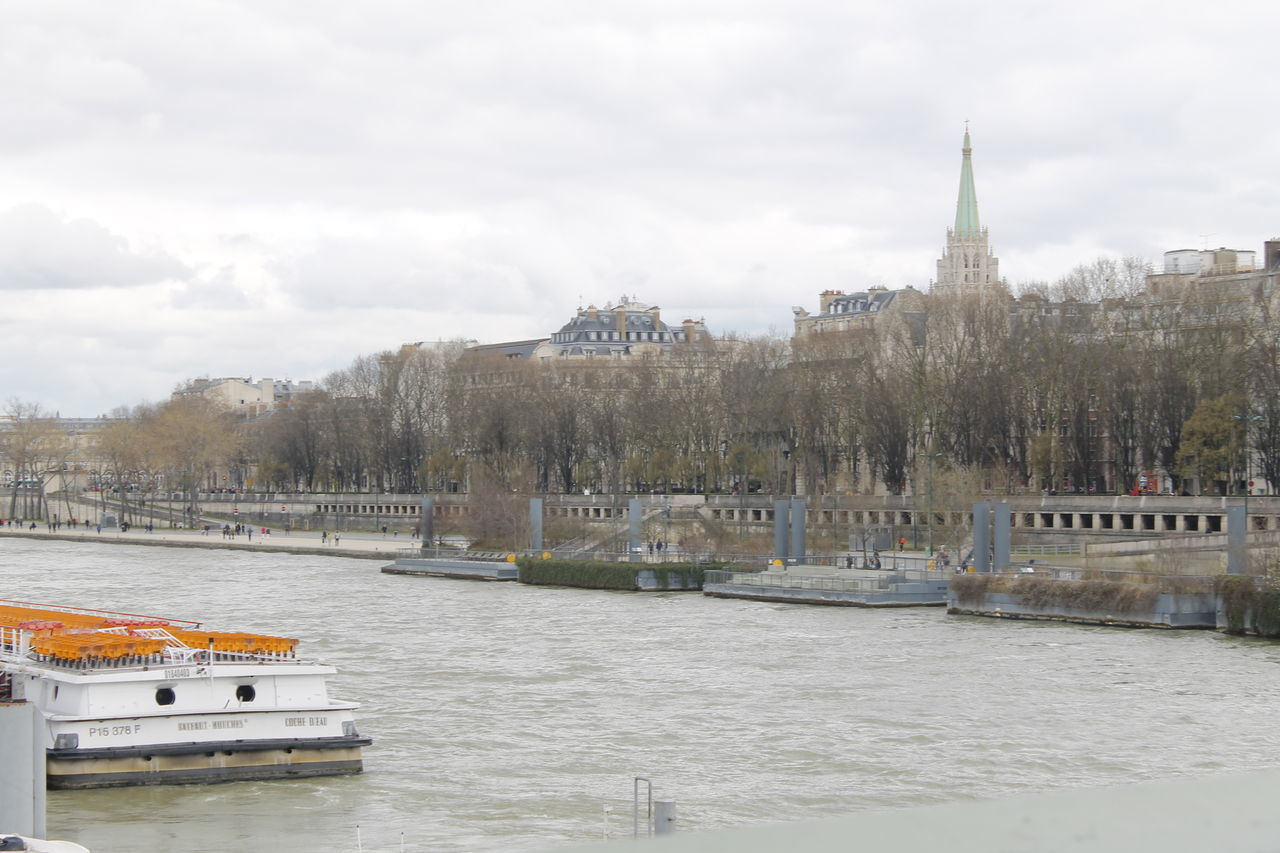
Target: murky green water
509	718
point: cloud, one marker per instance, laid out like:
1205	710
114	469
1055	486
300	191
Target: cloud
266	188
42	251
219	290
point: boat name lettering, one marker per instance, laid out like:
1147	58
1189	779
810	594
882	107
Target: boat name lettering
291	722
184	672
228	724
108	731
192	727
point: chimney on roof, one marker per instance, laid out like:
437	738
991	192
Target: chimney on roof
1271	254
690	331
826	298
593	313
620	316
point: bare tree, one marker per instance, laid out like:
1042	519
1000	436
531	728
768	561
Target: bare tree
34	448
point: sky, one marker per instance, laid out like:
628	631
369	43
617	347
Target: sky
271	189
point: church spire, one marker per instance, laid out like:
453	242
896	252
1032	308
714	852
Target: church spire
967	263
967	203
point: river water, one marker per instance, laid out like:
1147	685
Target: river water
507	717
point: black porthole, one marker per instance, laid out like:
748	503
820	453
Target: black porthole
246	693
165	696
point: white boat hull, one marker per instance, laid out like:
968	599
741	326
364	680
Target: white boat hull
184	716
207	761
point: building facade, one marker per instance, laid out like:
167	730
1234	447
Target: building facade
844	312
243	395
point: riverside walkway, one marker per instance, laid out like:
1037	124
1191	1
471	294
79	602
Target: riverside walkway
367	545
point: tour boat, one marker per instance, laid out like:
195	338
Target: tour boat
136	700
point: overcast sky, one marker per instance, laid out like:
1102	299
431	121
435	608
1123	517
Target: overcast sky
272	188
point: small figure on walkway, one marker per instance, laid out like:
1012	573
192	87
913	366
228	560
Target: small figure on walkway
336	539
902	543
324	537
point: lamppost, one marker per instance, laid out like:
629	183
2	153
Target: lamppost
929	457
666	530
740	457
1245	420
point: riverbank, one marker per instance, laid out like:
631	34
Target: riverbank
357	546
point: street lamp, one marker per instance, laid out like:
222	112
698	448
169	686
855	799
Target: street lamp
929	457
1245	420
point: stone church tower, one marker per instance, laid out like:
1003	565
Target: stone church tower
967	264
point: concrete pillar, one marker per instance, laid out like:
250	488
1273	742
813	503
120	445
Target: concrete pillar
1237	555
982	537
798	521
427	525
1001	513
22	805
535	524
781	523
634	514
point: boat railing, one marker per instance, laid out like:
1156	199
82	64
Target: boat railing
833	582
156	647
179	652
84	611
14	642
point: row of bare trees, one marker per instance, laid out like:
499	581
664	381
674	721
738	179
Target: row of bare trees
178	447
1012	394
1028	394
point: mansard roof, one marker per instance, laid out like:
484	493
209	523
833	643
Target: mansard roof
861	302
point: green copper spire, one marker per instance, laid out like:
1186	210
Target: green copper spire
967	203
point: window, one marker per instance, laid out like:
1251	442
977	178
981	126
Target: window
246	693
165	696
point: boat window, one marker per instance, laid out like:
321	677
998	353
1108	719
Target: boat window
165	696
246	693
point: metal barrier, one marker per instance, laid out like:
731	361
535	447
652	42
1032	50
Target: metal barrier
831	583
1070	550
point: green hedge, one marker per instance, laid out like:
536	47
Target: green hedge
1245	596
1044	593
590	574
